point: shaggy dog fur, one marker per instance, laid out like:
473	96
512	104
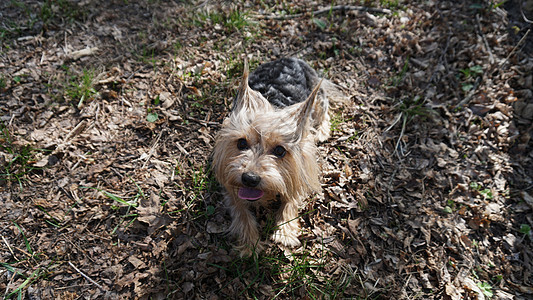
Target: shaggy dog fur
266	148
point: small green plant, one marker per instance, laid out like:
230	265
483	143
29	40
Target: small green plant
320	23
450	206
152	117
390	4
469	76
411	107
486	193
200	181
486	289
397	79
80	88
3	82
232	21
525	229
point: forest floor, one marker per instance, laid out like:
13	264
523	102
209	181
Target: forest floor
109	110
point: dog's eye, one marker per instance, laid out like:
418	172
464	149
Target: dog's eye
279	151
242	144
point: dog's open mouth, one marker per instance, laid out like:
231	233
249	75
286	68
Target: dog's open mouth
250	194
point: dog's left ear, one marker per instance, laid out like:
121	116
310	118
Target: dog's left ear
303	118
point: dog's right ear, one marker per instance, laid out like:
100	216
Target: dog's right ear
248	99
243	88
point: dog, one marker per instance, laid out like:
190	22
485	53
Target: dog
266	148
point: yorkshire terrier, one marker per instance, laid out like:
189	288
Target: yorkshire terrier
266	148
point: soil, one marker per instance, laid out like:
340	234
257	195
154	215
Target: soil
109	111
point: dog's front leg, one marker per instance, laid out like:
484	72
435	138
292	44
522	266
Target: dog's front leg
244	228
288	226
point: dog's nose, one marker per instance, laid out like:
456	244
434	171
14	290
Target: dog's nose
250	179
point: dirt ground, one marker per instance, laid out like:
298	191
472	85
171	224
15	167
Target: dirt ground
109	110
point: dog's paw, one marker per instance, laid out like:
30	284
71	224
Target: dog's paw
286	238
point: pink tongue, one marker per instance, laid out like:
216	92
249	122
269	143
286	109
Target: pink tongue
250	193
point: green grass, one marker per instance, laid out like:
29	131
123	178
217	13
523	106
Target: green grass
30	259
232	21
123	206
336	121
398	78
412	107
32	18
73	86
52	10
3	82
198	181
288	276
80	88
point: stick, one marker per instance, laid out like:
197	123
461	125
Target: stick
8	247
152	149
327	10
491	57
87	277
515	47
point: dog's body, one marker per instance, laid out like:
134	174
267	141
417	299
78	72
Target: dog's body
266	148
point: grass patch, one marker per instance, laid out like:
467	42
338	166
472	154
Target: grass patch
336	121
230	21
32	18
80	88
3	81
16	271
124	206
286	276
197	183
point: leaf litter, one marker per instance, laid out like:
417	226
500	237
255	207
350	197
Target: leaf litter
107	124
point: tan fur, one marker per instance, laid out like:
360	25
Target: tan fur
292	177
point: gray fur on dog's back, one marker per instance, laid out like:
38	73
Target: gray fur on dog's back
284	82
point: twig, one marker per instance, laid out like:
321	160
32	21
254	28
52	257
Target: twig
8	247
491	57
327	10
470	94
404	123
152	149
87	277
202	122
441	58
524	15
515	47
77	130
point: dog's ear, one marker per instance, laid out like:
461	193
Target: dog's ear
303	117
247	98
243	88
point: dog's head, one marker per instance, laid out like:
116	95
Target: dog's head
262	151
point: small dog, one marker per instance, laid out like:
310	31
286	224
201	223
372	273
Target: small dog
266	148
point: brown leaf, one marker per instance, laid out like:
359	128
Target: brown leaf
149	212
